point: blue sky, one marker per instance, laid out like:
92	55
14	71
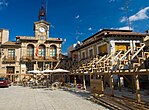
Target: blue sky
73	20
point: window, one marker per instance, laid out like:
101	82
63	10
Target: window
83	55
102	49
41	51
53	51
91	53
30	51
11	53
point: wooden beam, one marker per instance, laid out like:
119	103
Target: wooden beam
138	97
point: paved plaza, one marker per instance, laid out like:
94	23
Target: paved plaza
25	98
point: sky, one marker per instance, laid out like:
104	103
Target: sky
74	20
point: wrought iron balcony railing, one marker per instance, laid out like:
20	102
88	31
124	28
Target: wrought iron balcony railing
40	58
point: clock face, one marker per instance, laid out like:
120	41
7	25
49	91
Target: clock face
41	29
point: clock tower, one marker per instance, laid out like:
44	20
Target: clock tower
41	27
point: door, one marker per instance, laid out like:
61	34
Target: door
10	73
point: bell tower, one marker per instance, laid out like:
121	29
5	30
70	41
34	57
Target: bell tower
41	27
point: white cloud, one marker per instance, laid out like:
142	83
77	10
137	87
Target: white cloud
125	28
52	26
123	19
64	41
99	30
3	3
77	17
112	1
140	15
90	29
122	8
79	33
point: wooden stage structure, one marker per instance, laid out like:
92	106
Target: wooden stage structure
133	62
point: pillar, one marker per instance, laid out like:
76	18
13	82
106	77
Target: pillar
119	83
102	84
111	85
84	85
75	81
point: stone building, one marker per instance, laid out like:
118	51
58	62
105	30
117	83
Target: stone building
38	52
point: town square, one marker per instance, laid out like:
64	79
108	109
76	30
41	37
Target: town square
74	55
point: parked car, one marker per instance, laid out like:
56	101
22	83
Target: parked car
4	82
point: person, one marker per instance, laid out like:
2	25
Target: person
24	81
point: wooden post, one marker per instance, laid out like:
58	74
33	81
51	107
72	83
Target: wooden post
133	85
111	85
137	88
102	84
119	83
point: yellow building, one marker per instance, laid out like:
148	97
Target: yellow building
38	52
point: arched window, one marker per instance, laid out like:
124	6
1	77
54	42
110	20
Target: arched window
53	51
41	51
30	50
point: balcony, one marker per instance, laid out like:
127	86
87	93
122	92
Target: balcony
39	58
10	59
27	58
51	58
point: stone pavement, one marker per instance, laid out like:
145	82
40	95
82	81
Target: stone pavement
25	98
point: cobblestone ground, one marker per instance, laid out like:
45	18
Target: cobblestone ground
25	98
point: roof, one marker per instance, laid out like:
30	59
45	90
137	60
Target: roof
106	32
26	38
10	44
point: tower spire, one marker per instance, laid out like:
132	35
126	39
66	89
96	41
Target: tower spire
42	13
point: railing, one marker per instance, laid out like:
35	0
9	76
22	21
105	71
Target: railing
138	52
32	58
28	58
125	54
101	59
10	58
117	55
51	58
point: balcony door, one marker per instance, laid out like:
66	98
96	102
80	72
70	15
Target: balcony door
30	51
53	52
11	54
42	52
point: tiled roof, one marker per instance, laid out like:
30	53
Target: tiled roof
106	32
